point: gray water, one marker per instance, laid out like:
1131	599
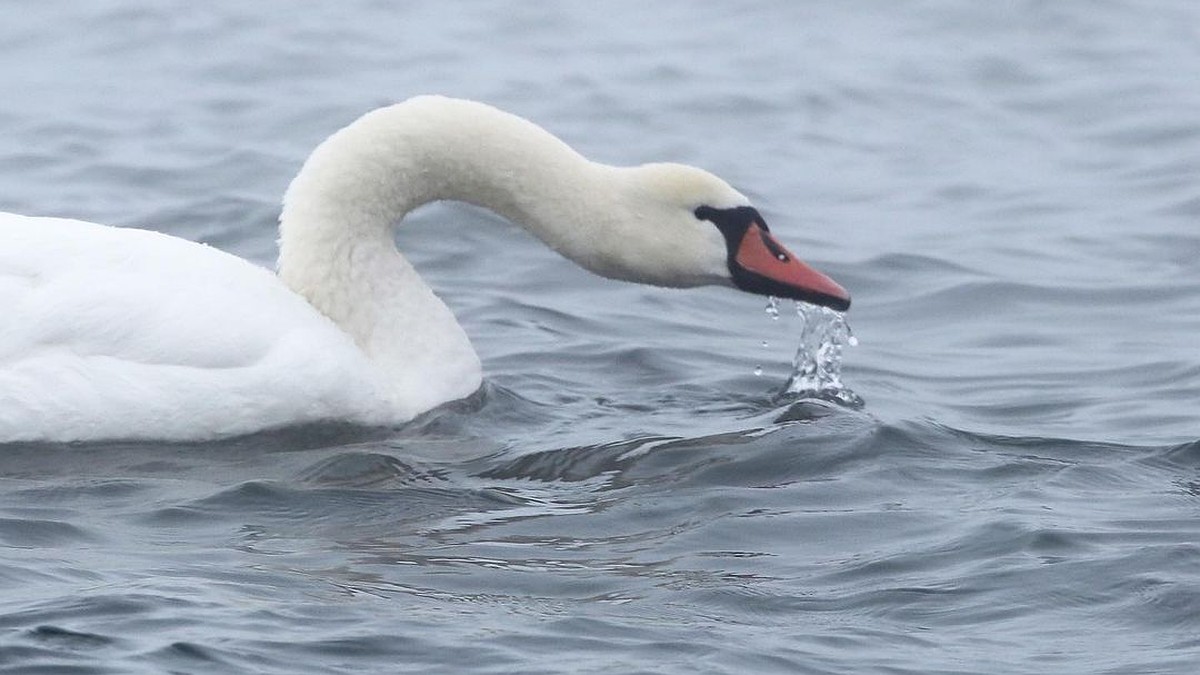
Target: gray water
1011	191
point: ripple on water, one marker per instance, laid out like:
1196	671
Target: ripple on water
368	470
37	533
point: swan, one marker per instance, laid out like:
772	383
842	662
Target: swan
117	333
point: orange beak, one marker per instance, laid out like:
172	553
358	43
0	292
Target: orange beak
762	265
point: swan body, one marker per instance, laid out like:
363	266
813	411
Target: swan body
122	333
118	333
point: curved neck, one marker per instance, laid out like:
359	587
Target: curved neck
364	179
336	245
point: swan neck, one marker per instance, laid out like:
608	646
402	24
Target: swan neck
364	179
336	244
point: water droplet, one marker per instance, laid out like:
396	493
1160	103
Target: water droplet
758	371
850	337
765	344
773	308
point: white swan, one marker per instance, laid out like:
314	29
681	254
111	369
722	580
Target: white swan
117	333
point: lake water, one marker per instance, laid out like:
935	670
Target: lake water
1010	190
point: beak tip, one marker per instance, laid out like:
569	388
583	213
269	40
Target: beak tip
839	302
762	265
824	292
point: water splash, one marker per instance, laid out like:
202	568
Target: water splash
817	366
773	308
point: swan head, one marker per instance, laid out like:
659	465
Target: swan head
687	227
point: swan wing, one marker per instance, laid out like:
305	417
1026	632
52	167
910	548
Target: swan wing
122	333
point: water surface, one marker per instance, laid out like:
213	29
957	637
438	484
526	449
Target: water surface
1011	191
